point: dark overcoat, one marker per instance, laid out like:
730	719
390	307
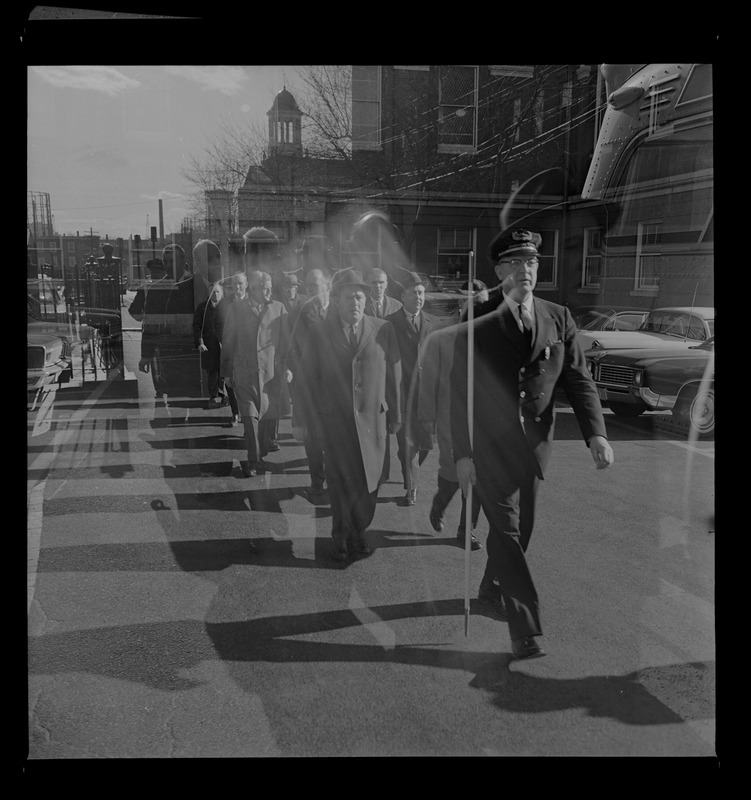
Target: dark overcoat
411	344
390	305
434	393
254	355
342	391
205	329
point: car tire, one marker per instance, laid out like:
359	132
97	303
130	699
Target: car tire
694	410
625	409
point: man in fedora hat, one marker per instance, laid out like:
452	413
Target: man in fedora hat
350	389
253	364
289	295
522	351
412	326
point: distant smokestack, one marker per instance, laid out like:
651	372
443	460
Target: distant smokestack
161	222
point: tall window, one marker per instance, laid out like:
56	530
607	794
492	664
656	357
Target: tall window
538	113
592	260
648	253
457	109
547	272
517	118
366	108
454	245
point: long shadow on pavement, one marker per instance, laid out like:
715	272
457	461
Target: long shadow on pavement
155	654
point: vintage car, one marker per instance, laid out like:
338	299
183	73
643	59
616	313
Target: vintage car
608	318
631	382
672	328
47	361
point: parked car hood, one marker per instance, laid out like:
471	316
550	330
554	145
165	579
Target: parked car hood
632	340
644	358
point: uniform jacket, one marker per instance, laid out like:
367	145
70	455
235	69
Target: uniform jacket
390	305
254	354
514	389
340	390
411	344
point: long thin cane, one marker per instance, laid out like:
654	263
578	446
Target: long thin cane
470	426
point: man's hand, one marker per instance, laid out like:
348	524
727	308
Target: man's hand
288	376
465	473
299	432
202	348
602	452
144	365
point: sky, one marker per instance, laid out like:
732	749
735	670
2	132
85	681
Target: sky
107	142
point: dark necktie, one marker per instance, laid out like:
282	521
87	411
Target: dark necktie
353	340
413	320
526	321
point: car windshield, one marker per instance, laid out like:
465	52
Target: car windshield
675	323
589	320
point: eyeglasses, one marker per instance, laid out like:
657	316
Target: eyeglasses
516	263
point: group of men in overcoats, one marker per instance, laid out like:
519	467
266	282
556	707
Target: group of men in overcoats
360	366
363	378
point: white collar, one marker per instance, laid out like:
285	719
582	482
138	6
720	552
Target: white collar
513	305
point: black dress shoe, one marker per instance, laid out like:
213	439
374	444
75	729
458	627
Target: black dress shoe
475	543
274	446
247	470
526	647
436	519
316	489
359	546
260	466
339	552
492	607
411	497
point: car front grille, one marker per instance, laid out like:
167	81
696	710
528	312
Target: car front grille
615	374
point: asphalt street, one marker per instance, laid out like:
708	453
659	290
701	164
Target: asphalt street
157	631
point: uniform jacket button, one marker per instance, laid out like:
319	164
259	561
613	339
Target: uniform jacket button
522	394
537	419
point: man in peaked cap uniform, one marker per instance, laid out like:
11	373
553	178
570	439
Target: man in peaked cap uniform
522	350
412	326
350	389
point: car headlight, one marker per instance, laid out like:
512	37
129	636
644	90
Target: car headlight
638	377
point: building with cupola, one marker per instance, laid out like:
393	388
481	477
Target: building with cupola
438	151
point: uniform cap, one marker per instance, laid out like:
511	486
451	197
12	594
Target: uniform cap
513	241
